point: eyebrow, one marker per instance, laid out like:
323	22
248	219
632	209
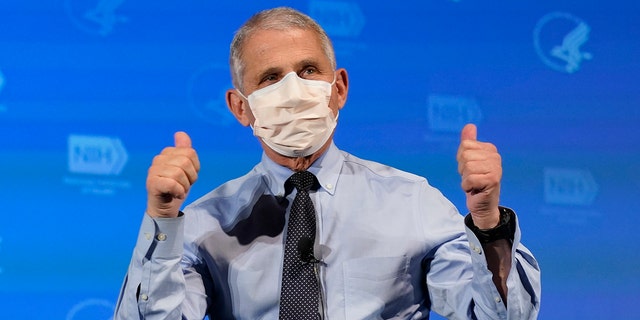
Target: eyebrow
268	71
307	62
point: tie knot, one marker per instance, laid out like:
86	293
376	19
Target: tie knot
303	180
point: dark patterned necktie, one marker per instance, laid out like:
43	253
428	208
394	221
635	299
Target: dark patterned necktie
299	296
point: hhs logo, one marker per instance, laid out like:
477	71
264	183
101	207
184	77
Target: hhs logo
209	104
91	309
96	155
338	18
558	38
95	16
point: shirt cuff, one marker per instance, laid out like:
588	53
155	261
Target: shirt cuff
161	237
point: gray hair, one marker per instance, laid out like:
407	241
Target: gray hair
282	18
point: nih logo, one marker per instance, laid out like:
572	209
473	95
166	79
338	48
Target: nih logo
449	113
568	186
96	155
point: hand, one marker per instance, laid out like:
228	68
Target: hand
170	177
480	166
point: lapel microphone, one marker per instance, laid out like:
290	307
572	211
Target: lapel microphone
305	249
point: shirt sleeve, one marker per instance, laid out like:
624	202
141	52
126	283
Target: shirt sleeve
155	286
461	287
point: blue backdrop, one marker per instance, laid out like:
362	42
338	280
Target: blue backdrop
91	90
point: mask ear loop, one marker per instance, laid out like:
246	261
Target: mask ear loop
240	93
331	84
247	99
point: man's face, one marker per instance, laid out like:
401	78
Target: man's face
270	54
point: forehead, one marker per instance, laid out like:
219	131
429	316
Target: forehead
266	49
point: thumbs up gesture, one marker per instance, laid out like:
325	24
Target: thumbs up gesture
480	167
171	175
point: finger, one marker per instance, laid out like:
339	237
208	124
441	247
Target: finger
187	167
165	186
185	153
487	153
182	140
469	132
479	182
190	170
184	159
171	177
468	138
183	146
480	167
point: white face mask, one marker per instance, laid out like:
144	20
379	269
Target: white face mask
293	116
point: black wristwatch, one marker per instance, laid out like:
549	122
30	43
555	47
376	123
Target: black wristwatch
504	230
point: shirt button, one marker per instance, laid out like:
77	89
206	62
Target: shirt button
161	237
144	297
498	300
329	186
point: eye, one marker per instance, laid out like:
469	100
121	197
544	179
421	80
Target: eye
309	72
270	78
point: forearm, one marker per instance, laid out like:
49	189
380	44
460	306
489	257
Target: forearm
498	254
508	266
154	286
497	244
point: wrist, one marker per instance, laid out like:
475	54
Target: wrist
503	229
162	214
488	220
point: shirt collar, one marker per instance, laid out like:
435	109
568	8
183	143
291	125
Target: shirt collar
326	169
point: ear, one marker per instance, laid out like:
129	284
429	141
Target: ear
239	107
342	87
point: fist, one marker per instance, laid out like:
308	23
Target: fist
480	167
171	175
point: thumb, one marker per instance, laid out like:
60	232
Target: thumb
469	132
182	140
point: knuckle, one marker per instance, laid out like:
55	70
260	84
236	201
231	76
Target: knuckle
467	144
157	159
167	150
191	153
185	163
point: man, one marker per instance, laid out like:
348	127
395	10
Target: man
379	242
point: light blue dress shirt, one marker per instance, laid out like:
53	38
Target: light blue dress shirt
392	247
